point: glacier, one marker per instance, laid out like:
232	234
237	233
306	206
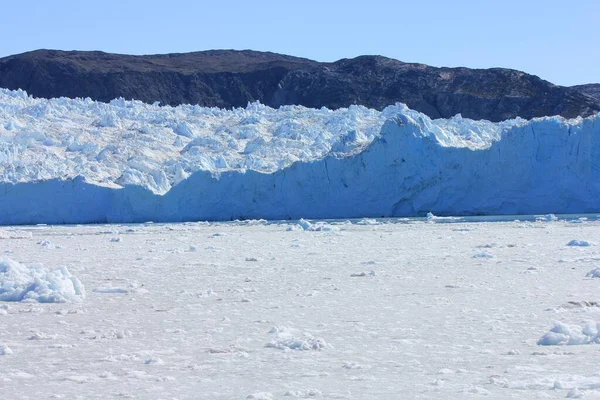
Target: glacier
67	161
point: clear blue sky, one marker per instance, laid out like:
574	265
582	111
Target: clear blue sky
558	40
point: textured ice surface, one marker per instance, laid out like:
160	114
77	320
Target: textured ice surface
20	282
564	334
132	143
307	319
76	161
579	243
160	321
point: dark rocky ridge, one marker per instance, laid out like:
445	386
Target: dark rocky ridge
591	89
228	78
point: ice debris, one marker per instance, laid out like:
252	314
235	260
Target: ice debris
567	335
19	282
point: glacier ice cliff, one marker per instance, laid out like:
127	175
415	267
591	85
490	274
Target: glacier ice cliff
80	161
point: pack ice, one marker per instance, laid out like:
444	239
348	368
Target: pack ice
80	161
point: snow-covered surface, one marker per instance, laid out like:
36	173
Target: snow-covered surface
176	311
77	161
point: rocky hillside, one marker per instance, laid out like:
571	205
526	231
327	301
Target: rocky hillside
227	78
592	90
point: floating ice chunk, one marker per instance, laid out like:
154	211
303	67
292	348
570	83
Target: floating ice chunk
284	340
472	389
362	274
580	243
303	393
304	224
316	227
595	273
558	385
367	221
5	350
297	344
445	371
41	336
154	361
355	365
483	254
19	282
121	333
568	335
256	222
260	396
207	293
278	329
110	289
550	217
574	394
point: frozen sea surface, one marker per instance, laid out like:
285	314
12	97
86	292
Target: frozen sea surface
368	310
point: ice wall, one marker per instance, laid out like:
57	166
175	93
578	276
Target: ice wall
346	163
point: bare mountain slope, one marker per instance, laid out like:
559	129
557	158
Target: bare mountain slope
228	78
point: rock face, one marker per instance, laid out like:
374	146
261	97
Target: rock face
228	78
592	90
